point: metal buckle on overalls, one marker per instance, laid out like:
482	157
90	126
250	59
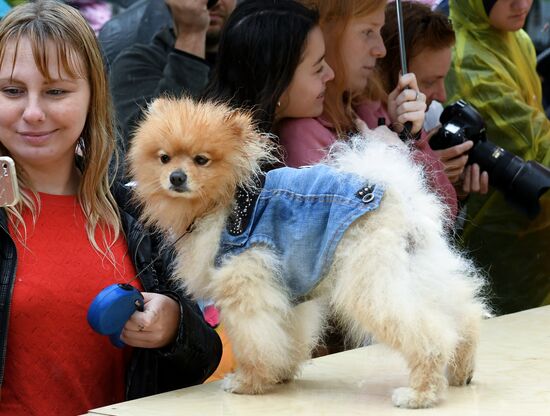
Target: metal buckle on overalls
366	194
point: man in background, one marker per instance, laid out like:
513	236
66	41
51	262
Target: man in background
177	61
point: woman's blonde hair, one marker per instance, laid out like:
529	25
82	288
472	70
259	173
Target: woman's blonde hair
48	22
335	15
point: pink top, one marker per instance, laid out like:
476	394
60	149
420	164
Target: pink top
306	141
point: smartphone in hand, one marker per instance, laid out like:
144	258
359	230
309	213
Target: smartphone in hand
9	188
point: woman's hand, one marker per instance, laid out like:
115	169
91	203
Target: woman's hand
474	181
382	133
454	159
465	178
156	326
407	103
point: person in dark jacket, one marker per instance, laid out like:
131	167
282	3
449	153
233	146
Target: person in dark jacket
137	24
177	61
68	238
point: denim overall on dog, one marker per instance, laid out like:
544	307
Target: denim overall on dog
300	214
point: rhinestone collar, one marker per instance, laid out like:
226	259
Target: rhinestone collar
245	199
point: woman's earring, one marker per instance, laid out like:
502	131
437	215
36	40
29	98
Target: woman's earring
278	103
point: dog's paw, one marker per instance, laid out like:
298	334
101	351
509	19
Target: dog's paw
459	379
231	384
234	383
408	398
286	380
461	372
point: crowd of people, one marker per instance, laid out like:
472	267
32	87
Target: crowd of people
312	72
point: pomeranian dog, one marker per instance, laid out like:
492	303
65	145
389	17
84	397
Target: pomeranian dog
358	237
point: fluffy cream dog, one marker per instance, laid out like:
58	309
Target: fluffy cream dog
393	274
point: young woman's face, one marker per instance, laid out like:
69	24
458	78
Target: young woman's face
305	95
40	120
509	15
360	47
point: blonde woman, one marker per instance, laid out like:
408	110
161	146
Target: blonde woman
68	238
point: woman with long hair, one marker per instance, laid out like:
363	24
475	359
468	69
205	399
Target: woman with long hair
68	238
352	31
271	60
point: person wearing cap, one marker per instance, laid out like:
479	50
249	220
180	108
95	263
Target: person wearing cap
494	69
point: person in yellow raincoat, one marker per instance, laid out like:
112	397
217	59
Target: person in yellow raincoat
494	70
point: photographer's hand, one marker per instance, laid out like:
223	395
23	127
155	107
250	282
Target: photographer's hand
156	326
454	159
475	180
407	103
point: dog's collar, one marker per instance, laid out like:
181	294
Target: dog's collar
245	199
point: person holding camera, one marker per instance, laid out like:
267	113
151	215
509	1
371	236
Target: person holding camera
355	98
70	236
177	61
429	38
494	69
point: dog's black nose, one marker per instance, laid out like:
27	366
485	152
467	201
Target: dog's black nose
178	178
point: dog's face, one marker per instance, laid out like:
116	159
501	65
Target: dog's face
193	153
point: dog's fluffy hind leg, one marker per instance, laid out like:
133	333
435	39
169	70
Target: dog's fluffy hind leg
376	292
255	311
461	367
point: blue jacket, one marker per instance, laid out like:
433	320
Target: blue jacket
301	214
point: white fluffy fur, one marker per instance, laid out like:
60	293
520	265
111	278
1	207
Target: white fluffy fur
394	276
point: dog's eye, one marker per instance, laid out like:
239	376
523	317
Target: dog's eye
201	160
164	159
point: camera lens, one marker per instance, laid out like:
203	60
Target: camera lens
522	183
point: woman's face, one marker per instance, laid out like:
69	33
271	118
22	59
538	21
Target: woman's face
360	47
509	15
40	120
305	95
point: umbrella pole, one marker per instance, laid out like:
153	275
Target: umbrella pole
401	32
406	133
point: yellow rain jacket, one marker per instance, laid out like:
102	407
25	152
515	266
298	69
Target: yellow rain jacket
495	72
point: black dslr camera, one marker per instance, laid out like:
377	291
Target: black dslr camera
522	183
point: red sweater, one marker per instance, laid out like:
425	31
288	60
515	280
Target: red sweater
55	363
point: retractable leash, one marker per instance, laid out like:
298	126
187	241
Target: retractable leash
111	309
113	306
406	133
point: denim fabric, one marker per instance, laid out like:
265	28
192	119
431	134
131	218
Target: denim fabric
302	214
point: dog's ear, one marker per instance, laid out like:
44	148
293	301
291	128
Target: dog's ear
239	123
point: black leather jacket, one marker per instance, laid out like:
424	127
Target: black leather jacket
190	360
